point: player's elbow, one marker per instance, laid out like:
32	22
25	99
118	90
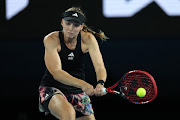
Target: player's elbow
56	73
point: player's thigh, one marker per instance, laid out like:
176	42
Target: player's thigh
60	107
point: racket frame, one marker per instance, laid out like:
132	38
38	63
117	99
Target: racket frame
120	93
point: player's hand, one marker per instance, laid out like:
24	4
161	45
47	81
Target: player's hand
98	90
88	89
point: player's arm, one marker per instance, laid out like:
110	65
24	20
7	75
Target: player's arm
96	57
53	64
97	61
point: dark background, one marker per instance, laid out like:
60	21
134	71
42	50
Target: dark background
147	41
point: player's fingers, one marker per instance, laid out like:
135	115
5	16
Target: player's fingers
90	91
98	91
102	93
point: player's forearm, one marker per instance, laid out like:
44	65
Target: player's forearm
67	79
101	74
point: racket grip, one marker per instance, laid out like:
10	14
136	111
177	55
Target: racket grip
104	90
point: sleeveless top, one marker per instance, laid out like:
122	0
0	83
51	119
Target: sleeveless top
71	62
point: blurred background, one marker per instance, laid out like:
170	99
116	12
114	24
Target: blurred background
143	35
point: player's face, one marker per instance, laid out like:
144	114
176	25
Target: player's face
71	28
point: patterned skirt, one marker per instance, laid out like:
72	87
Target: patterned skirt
81	102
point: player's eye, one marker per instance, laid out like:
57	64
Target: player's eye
76	24
68	23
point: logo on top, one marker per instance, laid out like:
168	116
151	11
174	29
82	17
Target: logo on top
71	56
75	14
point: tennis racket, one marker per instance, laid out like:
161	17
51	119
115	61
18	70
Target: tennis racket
127	86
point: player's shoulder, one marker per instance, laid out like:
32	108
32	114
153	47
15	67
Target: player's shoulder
87	36
51	38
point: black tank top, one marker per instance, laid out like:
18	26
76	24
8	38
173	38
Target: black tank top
71	62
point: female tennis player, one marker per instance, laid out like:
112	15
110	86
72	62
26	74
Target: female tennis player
63	89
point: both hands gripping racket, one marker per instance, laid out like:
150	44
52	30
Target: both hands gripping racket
130	82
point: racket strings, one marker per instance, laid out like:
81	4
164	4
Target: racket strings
132	82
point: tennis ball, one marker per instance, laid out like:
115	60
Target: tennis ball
141	92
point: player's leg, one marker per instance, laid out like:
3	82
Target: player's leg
61	108
89	117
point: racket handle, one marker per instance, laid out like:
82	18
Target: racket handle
104	90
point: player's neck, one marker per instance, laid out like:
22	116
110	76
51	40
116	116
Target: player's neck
70	40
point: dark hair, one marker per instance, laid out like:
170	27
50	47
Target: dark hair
100	34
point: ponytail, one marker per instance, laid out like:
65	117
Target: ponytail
100	34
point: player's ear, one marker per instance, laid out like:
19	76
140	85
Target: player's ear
62	22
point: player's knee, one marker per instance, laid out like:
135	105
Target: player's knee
90	117
68	114
72	115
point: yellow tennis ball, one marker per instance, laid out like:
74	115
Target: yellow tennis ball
141	92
